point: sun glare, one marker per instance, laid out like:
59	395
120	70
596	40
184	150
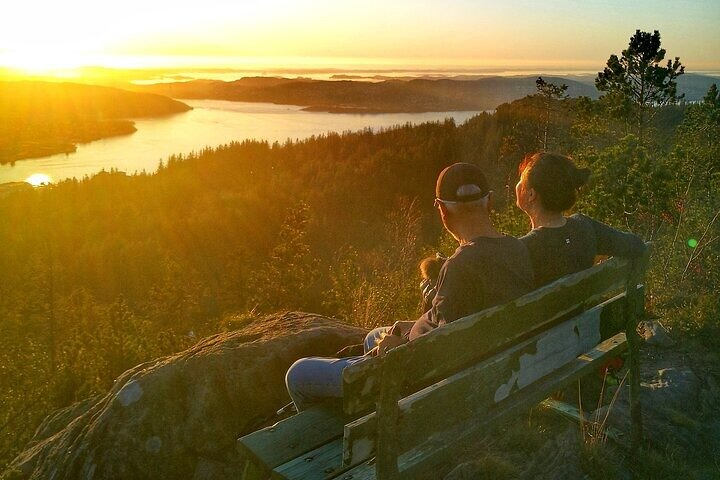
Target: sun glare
38	180
36	61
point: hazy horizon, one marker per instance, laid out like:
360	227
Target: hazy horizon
557	35
149	75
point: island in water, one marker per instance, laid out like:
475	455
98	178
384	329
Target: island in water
45	118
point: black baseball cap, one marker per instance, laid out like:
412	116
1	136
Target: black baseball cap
461	182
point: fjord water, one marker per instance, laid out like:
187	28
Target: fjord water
210	123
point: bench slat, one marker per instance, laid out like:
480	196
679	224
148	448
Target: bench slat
275	445
479	335
573	413
323	462
477	389
436	450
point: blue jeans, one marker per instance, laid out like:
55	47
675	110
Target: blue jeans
313	379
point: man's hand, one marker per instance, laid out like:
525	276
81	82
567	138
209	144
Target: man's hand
402	327
389	342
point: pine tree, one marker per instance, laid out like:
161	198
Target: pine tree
549	93
636	83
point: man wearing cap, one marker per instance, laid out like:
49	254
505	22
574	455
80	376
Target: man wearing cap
487	269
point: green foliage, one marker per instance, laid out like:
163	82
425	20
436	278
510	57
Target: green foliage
636	83
600	461
381	287
538	122
696	316
594	127
630	187
511	221
690	253
288	278
93	345
699	138
655	464
549	92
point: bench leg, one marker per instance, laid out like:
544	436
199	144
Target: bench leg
633	307
387	414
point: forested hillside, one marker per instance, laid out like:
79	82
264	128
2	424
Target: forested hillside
44	118
393	95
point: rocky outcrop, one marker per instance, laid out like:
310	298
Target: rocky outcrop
180	416
679	403
680	393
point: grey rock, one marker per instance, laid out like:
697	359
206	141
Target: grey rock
670	407
180	416
655	334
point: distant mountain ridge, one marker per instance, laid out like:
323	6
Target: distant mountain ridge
393	95
55	98
389	96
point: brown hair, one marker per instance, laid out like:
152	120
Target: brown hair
430	267
555	178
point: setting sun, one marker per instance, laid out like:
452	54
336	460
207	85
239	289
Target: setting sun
39	35
38	180
39	61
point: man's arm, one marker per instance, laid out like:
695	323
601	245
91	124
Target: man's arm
453	287
452	290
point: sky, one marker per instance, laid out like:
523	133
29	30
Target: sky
473	34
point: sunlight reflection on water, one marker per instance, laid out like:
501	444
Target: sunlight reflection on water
210	123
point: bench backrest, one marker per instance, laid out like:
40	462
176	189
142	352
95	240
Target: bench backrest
486	366
477	389
443	352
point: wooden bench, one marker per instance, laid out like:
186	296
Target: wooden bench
402	414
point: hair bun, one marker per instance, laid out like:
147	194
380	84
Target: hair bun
555	178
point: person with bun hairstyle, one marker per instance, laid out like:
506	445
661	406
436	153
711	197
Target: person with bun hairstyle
559	244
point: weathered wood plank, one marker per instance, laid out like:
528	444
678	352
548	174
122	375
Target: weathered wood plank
583	365
634	303
388	410
361	385
253	470
573	413
359	440
275	445
481	334
474	390
323	462
436	449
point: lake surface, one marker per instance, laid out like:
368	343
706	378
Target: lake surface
210	123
